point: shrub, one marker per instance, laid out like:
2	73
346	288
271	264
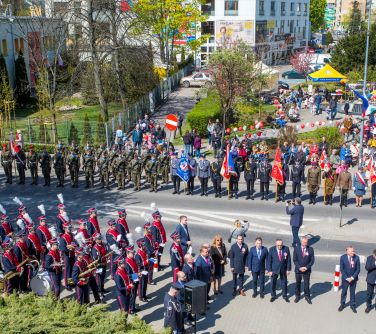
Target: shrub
208	108
287	134
32	314
86	138
332	135
73	134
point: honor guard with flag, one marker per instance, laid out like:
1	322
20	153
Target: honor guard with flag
99	253
141	258
54	265
92	222
329	177
123	286
297	177
192	164
279	174
250	176
344	183
80	278
134	274
216	177
313	180
177	255
264	175
10	264
6	162
67	246
21	163
158	232
62	217
122	225
235	174
203	174
174	164
228	167
184	170
32	164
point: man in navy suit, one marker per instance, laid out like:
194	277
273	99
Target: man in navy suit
350	269
257	265
182	230
279	264
204	268
371	279
296	211
238	257
189	267
304	258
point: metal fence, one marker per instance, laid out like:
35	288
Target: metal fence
36	132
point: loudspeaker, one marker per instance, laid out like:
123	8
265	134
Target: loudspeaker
195	296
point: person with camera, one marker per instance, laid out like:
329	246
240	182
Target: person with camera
296	210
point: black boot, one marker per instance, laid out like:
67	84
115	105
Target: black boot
310	198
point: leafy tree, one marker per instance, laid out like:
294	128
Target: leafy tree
301	61
22	89
329	37
73	134
101	131
86	138
235	75
3	67
349	53
33	314
88	86
316	14
355	22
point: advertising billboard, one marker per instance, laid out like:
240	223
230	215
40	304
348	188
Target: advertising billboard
231	32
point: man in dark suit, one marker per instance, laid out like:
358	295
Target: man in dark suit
296	211
279	264
189	267
371	279
257	265
182	230
238	257
304	258
350	269
204	268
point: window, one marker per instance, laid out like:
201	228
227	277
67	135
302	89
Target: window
272	8
292	8
4	45
261	8
207	28
298	5
305	9
291	26
208	8
304	32
283	8
231	7
282	31
22	44
16	45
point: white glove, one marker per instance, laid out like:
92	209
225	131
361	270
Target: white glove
118	238
20	224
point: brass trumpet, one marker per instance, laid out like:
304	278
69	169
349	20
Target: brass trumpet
96	263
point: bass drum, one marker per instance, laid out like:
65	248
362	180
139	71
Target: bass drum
41	283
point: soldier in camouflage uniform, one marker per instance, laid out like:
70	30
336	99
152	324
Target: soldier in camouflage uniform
45	164
89	166
145	157
112	156
104	169
6	162
152	169
32	164
164	161
128	158
73	163
59	166
119	165
136	166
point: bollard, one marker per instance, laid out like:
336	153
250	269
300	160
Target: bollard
336	279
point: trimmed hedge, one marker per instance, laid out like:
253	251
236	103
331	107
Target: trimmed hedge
333	137
208	108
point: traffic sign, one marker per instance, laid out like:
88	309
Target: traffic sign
171	122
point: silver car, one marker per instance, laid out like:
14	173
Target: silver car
197	80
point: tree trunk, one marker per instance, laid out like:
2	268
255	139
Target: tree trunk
96	63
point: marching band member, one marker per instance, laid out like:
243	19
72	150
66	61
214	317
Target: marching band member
141	258
176	254
10	263
134	274
62	217
159	233
123	286
81	283
44	235
98	252
92	222
151	248
53	266
6	228
114	239
67	246
91	279
82	233
23	218
122	225
33	243
21	251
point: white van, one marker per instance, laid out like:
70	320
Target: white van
320	58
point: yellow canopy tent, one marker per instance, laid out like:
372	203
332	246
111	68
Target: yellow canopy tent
326	74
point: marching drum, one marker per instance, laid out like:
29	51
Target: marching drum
41	283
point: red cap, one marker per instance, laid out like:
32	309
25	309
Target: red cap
91	210
61	206
42	218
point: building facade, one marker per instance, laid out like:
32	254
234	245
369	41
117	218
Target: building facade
273	28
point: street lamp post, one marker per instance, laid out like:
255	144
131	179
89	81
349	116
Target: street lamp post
365	83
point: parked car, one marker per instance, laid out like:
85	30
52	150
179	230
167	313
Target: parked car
293	75
197	80
283	85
